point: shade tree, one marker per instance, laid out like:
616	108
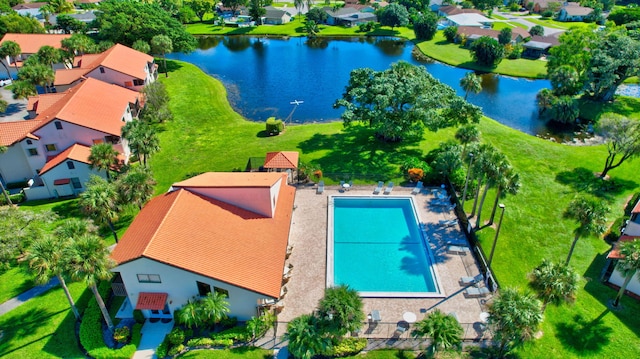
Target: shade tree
18	229
504	37
622	139
628	265
317	15
136	186
161	45
536	30
393	15
100	202
425	25
201	7
103	157
487	51
565	80
471	82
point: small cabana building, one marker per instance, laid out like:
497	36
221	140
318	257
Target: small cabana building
282	161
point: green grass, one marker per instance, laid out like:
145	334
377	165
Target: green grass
214	138
44	327
501	25
560	24
13	282
453	54
236	353
625	106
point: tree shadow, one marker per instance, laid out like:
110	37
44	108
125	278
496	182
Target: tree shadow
173	66
356	153
583	180
68	209
23	326
583	335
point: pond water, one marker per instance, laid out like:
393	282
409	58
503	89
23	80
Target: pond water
263	76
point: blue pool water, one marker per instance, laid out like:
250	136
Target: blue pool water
378	248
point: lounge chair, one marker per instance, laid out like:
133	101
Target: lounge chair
379	188
400	329
418	188
389	188
473	292
320	187
457	250
464	281
341	184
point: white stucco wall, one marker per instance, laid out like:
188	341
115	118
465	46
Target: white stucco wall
632	229
181	286
81	171
14	163
618	279
261	200
115	77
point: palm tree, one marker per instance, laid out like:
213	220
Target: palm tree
471	83
515	318
444	330
136	186
103	157
11	49
213	307
495	165
467	134
628	265
142	46
590	214
508	183
545	100
161	44
23	89
47	258
37	74
554	282
142	138
189	315
61	6
78	44
89	261
305	338
478	168
298	4
448	160
48	55
100	201
341	309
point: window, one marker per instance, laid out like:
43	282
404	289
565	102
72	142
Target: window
32	151
50	147
114	140
203	288
75	181
149	278
221	291
71	165
58	125
101	70
29	142
138	82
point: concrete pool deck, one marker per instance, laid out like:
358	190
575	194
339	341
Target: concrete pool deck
309	259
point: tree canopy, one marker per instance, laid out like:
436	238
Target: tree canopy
622	138
425	26
14	23
487	51
400	101
393	15
125	21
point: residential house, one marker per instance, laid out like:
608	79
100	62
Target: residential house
91	112
471	33
30	44
435	5
630	232
85	17
348	16
282	161
216	232
574	12
31	9
539	46
450	10
469	20
275	16
119	65
540	6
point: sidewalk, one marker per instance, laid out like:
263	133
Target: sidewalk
15	302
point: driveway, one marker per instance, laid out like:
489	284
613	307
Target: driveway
17	109
523	20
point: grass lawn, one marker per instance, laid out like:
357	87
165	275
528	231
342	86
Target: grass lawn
43	328
559	24
14	282
456	55
504	24
214	138
237	353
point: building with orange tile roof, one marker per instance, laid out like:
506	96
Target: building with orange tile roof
282	161
92	112
30	44
119	65
223	232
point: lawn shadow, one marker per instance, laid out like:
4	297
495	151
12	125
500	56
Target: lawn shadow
23	326
173	66
355	153
583	180
68	209
583	335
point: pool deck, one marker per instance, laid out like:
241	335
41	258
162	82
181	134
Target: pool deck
309	259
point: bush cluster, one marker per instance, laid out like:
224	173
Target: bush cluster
348	347
274	127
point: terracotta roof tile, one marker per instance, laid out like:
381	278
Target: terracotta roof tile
151	301
615	252
231	179
68	76
214	238
12	132
120	58
41	102
76	152
93	104
31	43
282	159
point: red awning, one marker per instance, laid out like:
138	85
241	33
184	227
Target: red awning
61	181
152	301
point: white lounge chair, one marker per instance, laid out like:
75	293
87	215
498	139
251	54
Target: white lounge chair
471	280
418	188
457	250
389	188
320	187
379	188
473	292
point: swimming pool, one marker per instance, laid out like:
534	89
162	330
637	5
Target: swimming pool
375	246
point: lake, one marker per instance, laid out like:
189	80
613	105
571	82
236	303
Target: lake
263	76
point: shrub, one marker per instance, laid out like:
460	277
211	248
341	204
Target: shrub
15	198
547	14
161	351
138	316
366	27
450	33
121	335
415	174
229	322
176	336
176	350
274	127
513	51
200	342
257	326
349	347
239	334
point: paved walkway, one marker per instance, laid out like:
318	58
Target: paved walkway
17	109
15	302
152	335
523	20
